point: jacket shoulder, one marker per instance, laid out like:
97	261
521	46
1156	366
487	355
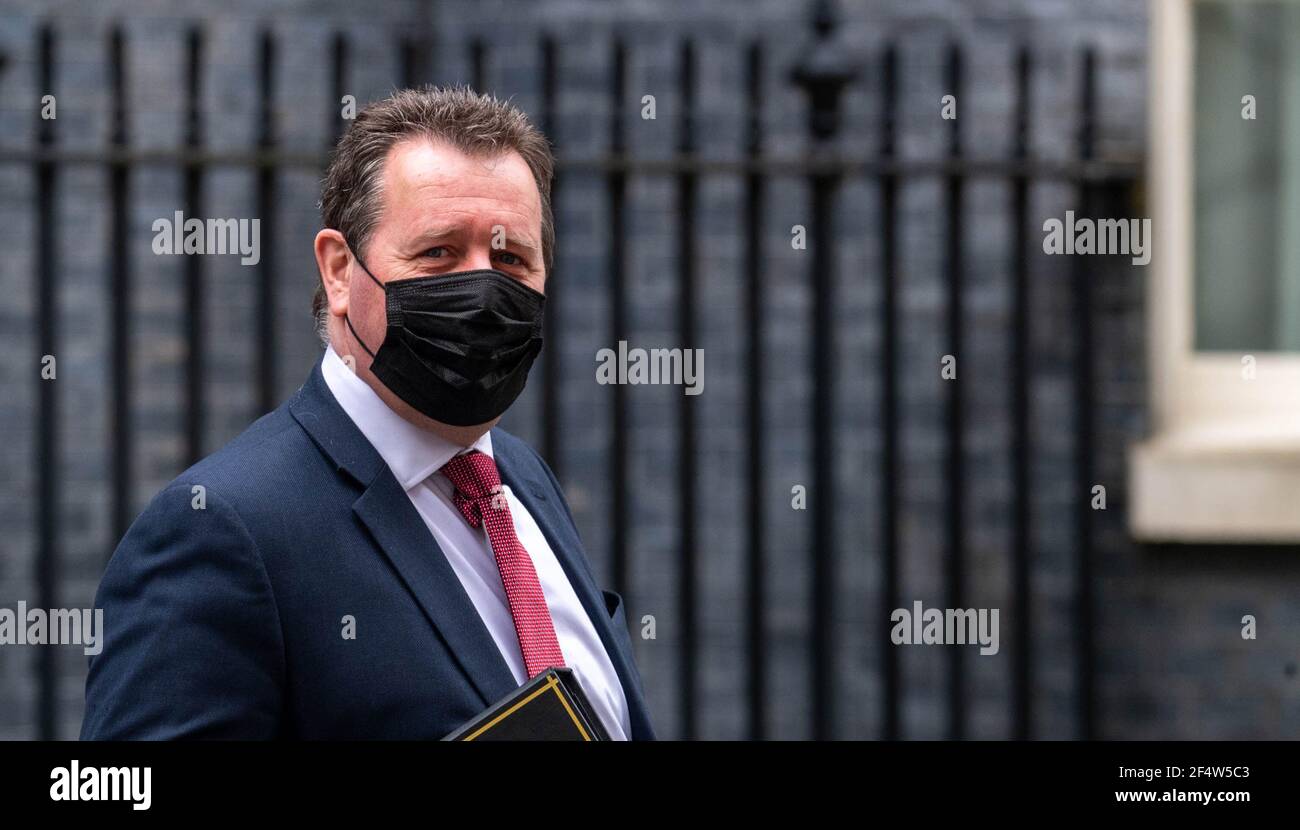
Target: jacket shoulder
253	467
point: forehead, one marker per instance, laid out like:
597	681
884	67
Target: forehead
428	178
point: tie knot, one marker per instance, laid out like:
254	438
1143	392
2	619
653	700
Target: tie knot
477	483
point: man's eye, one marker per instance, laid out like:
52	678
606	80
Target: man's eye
435	251
510	259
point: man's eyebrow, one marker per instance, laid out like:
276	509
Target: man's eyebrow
437	232
522	240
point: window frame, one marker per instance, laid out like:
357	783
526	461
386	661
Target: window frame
1225	450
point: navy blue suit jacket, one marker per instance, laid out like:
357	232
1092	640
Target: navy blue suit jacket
227	621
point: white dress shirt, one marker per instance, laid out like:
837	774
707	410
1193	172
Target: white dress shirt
415	456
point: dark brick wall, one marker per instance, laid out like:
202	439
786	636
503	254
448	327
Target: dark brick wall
1170	660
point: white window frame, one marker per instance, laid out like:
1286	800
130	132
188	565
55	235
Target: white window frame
1223	461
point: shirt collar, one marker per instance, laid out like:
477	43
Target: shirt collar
413	454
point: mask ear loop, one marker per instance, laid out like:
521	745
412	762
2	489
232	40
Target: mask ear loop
347	318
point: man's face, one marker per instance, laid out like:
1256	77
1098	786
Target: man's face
443	212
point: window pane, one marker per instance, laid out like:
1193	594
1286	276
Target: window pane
1247	190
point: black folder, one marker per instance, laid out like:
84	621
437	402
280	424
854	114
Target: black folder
550	707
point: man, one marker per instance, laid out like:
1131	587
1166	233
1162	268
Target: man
374	559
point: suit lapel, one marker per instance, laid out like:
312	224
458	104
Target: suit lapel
567	548
387	512
405	539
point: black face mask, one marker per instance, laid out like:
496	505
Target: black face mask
458	346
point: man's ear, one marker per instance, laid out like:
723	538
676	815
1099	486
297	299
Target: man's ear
334	263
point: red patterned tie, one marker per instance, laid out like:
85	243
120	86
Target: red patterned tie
480	498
